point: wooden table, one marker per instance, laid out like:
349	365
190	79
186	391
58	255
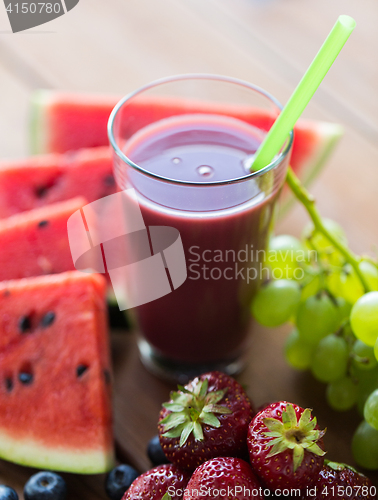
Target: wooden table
116	46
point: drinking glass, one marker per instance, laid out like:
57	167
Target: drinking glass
184	145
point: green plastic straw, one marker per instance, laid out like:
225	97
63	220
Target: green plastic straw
301	96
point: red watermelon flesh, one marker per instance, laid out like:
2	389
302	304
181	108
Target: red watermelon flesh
55	394
34	243
62	122
46	179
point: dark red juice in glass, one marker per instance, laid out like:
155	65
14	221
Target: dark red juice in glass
206	319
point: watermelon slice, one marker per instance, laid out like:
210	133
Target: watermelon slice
62	122
46	179
55	379
36	242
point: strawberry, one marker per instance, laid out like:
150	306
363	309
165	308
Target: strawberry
285	446
223	478
165	481
336	481
207	418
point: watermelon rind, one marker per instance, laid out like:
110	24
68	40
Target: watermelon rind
32	454
330	134
38	121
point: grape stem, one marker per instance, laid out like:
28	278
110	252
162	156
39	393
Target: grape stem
308	201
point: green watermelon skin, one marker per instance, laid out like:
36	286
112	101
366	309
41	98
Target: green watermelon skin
58	420
69	121
42	180
62	121
36	242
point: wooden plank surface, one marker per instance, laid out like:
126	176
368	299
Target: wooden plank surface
117	46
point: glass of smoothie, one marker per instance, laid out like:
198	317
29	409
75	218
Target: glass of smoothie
184	144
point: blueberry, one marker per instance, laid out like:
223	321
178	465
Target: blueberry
155	452
7	493
45	486
118	481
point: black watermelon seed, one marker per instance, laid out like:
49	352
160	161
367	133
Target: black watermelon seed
25	378
48	319
107	376
43	223
41	191
8	384
6	293
81	369
24	324
109	181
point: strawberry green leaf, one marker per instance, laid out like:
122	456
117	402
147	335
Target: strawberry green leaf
210	419
278	447
197	432
273	424
173	420
188	428
217	409
203	388
314	448
298	454
339	466
215	397
173	406
289	417
174	433
185	391
306	418
273	434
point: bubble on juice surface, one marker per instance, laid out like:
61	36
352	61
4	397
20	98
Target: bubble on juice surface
176	160
205	170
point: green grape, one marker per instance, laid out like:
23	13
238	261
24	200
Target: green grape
333	282
363	394
298	353
317	317
365	446
330	359
276	302
350	285
367	383
364	357
285	256
311	287
364	318
344	309
342	394
371	409
321	243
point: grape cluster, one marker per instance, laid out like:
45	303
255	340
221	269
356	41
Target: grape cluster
312	286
